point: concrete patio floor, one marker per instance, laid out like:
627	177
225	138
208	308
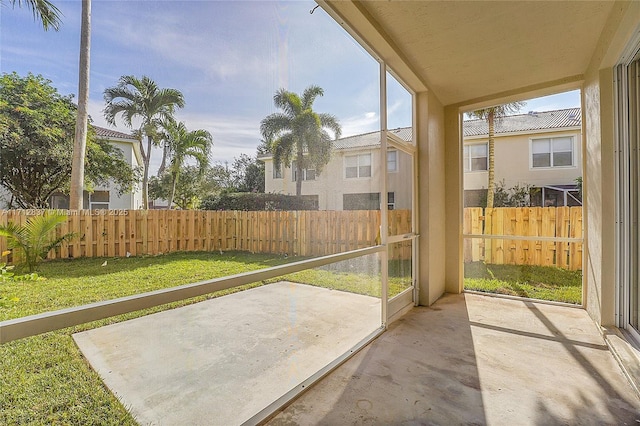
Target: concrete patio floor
221	361
474	359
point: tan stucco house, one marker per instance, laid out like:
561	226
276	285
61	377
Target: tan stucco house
541	149
350	180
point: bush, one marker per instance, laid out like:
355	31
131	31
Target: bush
251	201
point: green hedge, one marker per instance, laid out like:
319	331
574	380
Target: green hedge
252	201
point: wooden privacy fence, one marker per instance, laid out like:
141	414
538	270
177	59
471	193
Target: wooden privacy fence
545	222
149	232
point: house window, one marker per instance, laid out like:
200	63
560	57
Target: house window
362	201
277	171
552	152
357	166
475	157
307	174
391	200
99	200
392	161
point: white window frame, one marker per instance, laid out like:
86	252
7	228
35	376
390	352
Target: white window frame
469	164
391	200
358	156
99	205
573	165
277	171
395	161
305	173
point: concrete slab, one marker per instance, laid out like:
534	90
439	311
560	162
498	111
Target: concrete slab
473	359
221	361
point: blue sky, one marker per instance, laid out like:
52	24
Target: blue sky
227	57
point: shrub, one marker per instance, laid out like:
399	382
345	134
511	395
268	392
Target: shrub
251	201
36	238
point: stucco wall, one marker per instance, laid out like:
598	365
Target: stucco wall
513	155
331	184
431	198
599	184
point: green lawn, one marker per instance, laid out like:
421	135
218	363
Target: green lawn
45	379
535	282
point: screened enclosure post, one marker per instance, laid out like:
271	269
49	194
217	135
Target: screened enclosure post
384	227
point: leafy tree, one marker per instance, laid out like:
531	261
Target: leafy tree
141	99
42	10
37	127
189	189
298	133
491	115
183	144
247	174
36	238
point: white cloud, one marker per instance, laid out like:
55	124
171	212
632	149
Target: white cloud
361	123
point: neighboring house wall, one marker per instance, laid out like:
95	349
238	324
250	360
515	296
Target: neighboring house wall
131	200
103	196
538	149
513	161
332	184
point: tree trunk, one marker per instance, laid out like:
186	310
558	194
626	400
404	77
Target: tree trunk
80	142
174	183
163	163
491	184
145	176
299	174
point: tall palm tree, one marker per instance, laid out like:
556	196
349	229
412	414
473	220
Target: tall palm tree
42	10
80	141
141	99
298	132
182	144
491	115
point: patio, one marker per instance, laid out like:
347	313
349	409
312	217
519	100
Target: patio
474	359
468	359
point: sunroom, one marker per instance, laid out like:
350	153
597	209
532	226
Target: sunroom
453	58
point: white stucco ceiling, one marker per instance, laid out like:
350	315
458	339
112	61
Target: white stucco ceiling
467	51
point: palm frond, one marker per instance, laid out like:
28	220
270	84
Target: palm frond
44	10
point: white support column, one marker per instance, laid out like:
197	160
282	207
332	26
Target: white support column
384	231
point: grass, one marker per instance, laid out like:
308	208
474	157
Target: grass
46	380
535	282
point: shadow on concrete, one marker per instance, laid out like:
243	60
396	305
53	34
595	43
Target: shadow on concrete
474	359
421	371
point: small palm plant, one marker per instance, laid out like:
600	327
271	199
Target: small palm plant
36	238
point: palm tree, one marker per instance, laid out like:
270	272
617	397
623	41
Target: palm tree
491	115
80	141
36	238
43	10
299	133
142	99
181	144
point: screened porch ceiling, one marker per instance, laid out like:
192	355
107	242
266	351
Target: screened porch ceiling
469	52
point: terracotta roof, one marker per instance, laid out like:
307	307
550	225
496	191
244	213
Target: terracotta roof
557	119
112	134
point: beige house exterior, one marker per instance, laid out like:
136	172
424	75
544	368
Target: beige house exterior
350	181
541	149
517	137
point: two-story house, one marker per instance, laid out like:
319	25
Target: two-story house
350	180
541	149
107	197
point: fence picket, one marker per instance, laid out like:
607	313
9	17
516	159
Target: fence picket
312	233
